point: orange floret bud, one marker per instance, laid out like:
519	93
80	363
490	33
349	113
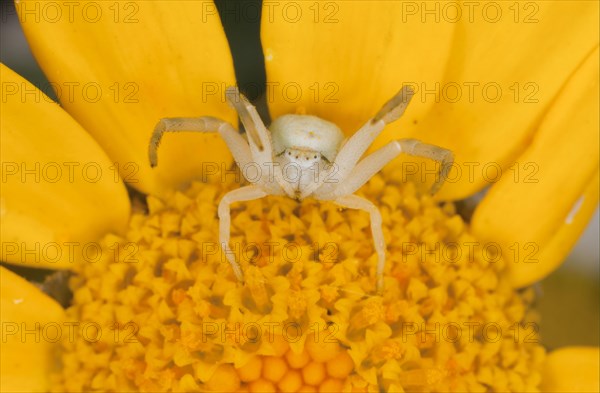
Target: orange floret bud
274	368
262	386
340	366
291	381
313	373
297	360
331	385
252	370
307	389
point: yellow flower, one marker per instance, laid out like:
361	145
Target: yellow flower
155	307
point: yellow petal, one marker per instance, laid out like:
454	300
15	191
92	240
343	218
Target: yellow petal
32	324
119	67
538	262
572	369
342	60
537	212
507	66
59	189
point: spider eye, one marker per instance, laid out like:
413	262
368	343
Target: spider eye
315	156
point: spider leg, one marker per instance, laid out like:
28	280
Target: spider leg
235	142
358	143
259	139
247	193
374	162
258	135
356	202
416	148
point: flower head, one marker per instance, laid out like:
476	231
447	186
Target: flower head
300	322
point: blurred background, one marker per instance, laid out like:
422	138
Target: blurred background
568	300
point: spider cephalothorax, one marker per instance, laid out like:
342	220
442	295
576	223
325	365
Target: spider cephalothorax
303	147
306	157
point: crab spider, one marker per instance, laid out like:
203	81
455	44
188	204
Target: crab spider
324	165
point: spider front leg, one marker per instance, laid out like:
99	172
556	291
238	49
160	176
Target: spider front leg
353	149
243	194
235	142
356	202
259	139
358	143
258	135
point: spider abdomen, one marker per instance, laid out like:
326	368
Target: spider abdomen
305	133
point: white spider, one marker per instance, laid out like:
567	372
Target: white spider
324	165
